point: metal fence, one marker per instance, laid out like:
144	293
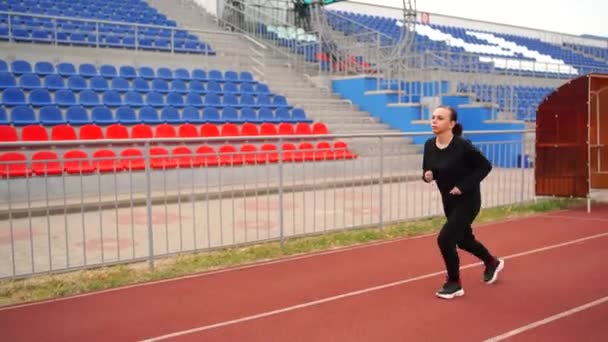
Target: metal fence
126	208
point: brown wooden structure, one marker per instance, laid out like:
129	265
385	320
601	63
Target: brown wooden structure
572	138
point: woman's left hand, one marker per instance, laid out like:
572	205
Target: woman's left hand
455	191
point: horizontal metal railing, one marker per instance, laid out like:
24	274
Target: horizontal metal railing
182	203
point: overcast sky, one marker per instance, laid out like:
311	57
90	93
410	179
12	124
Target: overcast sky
573	17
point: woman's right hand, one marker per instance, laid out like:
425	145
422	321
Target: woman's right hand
428	176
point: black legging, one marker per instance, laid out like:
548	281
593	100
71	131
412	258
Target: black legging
460	211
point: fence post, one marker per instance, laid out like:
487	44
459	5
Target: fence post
149	206
281	216
380	205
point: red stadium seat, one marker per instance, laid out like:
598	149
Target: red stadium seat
8	133
324	151
63	132
46	163
249	153
290	153
91	132
106	161
286	129
14	164
159	158
249	129
77	162
141	131
230	130
229	155
165	131
319	128
303	128
117	131
269	154
188	131
307	150
209	130
341	151
206	156
268	129
132	159
184	157
34	133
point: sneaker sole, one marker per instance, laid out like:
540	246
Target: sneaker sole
451	295
501	265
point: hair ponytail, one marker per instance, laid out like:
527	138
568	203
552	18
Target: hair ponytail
457	129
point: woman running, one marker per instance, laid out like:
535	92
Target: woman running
458	168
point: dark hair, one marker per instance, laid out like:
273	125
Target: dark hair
457	129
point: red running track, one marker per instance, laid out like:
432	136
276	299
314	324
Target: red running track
554	263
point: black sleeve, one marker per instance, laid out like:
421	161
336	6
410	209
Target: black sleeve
425	166
480	166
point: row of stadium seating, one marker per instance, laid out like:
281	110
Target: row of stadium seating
12	97
17	68
23	25
143	131
41	163
483	44
78	115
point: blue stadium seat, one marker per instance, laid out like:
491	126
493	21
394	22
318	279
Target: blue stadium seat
230	87
230	100
65	98
40	98
3	66
216	75
170	115
214	87
213	100
66	69
108	71
102	116
266	115
44	68
99	84
7	80
51	115
160	86
197	87
77	115
179	86
182	74
298	115
127	72
147	73
149	115
230	114
154	99
54	82
249	115
13	97
191	115
3	117
134	99
126	115
199	75
141	85
283	115
121	85
23	116
164	73
175	100
211	115
20	67
87	70
89	98
112	98
248	100
77	83
194	100
30	81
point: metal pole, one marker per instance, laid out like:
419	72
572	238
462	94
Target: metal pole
149	206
